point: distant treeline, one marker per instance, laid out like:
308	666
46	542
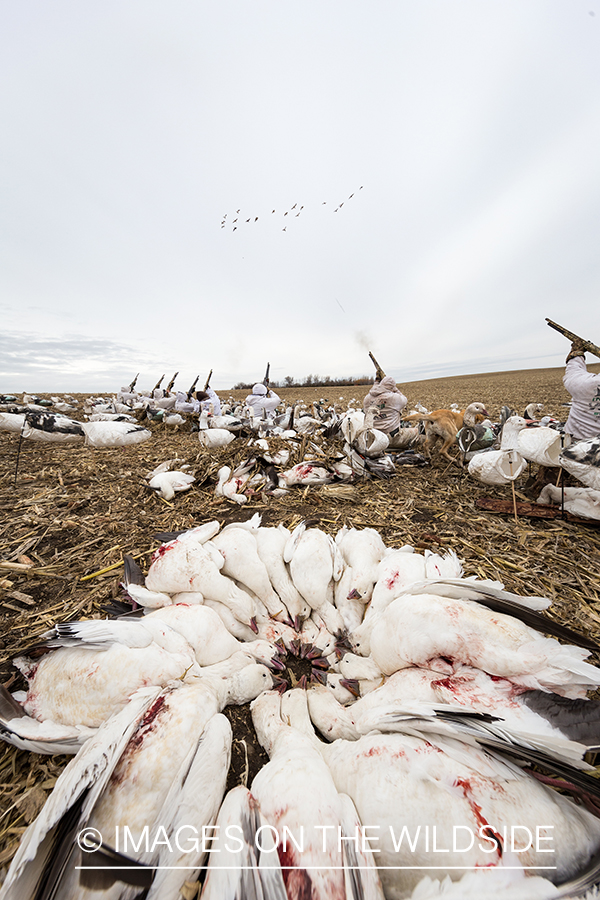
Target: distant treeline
309	381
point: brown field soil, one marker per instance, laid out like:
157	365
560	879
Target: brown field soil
74	512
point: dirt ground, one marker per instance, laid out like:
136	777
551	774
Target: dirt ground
73	512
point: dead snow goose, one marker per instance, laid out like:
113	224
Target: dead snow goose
241	561
186	565
440	633
167	484
78	683
270	543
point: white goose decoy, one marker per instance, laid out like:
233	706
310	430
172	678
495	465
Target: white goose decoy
506	464
213	438
55	428
542	445
114	434
370	441
12	422
582	460
351	424
581	501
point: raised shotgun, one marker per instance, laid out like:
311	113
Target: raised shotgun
192	388
587	345
207	382
379	373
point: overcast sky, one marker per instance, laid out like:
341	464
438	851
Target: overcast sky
138	137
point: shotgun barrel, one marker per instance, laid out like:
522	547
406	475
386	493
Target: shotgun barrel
571	336
266	378
207	382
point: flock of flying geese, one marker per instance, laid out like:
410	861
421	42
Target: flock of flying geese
238	219
402	707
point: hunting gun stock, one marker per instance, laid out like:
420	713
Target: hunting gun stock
587	345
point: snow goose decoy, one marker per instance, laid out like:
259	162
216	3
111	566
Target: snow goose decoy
114	434
44	426
504	465
584	502
370	441
582	460
542	445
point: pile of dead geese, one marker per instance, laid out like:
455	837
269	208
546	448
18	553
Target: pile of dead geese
417	723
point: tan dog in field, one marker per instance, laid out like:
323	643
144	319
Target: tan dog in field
444	425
